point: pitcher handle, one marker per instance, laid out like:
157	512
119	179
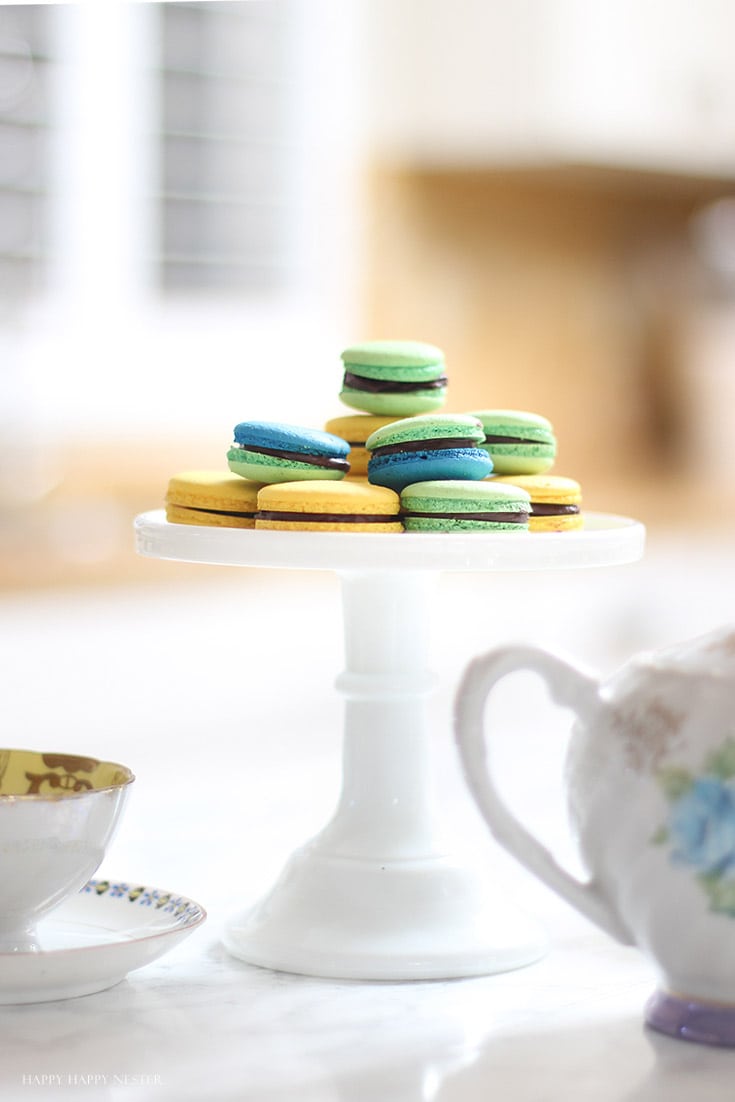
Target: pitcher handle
569	687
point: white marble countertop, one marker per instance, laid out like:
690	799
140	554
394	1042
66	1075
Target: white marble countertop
187	684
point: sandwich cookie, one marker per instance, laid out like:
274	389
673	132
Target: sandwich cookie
213	498
518	442
355	430
464	506
269	451
555	501
394	378
328	507
433	446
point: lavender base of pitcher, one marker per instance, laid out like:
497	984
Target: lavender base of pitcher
691	1020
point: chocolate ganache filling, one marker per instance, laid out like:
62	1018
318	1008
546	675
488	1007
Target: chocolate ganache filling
426	445
332	463
388	386
330	518
491	439
549	510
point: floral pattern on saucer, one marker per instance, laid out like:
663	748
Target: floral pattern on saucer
182	910
700	829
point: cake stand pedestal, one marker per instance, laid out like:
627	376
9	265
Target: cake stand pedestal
377	895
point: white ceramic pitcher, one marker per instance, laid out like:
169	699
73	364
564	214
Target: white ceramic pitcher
650	785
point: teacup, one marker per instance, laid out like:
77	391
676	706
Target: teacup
58	813
650	786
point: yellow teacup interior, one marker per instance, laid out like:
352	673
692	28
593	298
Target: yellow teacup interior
30	773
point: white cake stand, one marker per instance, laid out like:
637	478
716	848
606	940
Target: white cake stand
375	895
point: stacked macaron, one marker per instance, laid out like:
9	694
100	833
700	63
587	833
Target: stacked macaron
386	381
426	448
522	447
270	451
355	431
214	498
464	505
300	487
393	378
395	463
556	502
518	442
328	507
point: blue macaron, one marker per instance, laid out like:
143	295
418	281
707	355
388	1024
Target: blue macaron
270	451
421	449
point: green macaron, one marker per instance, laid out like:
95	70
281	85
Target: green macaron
462	505
393	378
518	442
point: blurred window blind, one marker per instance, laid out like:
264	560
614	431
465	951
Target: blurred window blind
226	146
225	150
25	65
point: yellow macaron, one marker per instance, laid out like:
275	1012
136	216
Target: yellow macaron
355	430
556	502
214	498
328	506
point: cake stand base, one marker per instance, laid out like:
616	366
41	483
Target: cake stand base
404	920
376	894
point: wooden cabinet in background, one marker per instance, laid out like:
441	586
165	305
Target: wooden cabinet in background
646	84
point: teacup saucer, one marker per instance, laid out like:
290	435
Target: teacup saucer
92	940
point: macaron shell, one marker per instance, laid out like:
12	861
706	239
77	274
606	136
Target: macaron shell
403	468
212	490
570	523
515	418
395	373
395	405
357	427
546	488
440	426
353	499
392	354
359	459
267	468
452	524
293	438
521	458
457	495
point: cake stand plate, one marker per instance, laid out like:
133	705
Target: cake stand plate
377	895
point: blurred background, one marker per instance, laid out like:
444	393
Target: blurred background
202	203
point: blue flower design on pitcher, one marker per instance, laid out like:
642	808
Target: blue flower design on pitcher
700	830
702	826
